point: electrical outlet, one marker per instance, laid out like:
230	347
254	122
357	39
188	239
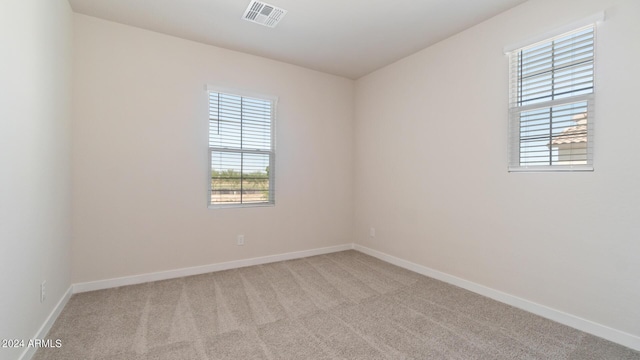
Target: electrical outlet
240	240
372	232
43	291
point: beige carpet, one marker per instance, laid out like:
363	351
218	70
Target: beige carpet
344	305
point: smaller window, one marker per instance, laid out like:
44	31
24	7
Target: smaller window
551	103
241	149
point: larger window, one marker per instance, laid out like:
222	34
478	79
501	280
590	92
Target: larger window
241	149
551	103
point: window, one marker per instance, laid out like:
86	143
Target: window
551	103
241	149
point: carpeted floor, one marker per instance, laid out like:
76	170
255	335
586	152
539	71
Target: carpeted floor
344	305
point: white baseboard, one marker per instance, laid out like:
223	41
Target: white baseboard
172	274
573	321
29	351
590	327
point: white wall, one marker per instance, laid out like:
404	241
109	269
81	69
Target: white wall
430	163
140	155
431	169
35	200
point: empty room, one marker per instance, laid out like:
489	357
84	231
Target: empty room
282	179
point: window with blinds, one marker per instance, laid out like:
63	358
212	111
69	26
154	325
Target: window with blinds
241	150
551	103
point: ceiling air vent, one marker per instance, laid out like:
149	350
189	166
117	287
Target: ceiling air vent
263	14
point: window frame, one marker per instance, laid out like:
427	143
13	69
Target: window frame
271	152
516	108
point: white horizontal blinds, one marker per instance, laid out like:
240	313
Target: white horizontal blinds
238	122
241	149
556	135
556	69
551	117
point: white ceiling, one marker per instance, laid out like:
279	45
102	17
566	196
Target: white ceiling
349	38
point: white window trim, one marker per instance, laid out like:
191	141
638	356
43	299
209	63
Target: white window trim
592	20
272	157
244	93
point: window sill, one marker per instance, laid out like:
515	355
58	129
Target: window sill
555	168
234	206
